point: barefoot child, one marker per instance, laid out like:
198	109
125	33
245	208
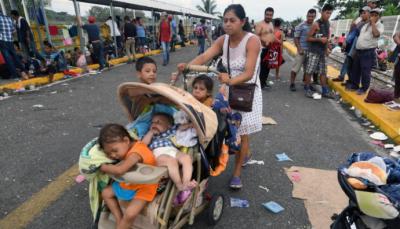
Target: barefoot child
159	140
117	144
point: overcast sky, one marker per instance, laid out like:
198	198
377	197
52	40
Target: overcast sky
286	9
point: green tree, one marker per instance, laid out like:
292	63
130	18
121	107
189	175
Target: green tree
350	8
209	6
296	21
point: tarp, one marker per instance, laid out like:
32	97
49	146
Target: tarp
150	5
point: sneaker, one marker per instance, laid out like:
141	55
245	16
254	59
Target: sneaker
309	94
292	87
360	92
246	160
329	95
235	183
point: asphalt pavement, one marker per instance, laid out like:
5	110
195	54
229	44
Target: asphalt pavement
38	143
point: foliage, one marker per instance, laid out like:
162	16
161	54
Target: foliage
209	6
102	13
350	8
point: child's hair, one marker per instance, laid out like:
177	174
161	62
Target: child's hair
142	61
111	133
168	116
207	81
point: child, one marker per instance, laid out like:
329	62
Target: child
146	70
159	140
50	60
202	87
117	144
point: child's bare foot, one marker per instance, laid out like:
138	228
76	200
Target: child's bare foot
190	185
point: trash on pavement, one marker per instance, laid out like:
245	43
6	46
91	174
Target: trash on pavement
317	96
268	121
378	143
295	176
53	92
379	136
388	146
239	203
255	162
395	154
283	157
396	148
37	106
264	188
273	206
352	108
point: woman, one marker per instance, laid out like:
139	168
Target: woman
244	52
165	36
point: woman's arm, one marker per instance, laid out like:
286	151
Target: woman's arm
214	50
122	167
252	53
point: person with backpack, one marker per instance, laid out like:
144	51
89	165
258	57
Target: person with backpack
201	34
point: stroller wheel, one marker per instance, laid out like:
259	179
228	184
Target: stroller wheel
215	209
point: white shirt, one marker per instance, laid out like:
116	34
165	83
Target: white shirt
366	39
110	24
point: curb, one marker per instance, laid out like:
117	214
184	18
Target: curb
386	120
59	76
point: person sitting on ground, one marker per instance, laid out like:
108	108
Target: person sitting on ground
159	139
50	60
146	70
117	144
80	60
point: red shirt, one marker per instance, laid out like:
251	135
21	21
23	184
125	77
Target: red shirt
165	31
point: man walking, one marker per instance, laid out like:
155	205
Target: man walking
129	34
364	58
7	48
265	30
93	32
300	40
318	38
165	36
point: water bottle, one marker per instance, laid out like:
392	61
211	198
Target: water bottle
31	69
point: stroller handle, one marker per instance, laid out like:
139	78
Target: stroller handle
201	68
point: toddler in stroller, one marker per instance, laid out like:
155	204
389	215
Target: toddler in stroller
372	184
161	212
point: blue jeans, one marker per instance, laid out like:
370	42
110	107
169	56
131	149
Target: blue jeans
10	57
98	50
202	44
165	47
344	69
361	69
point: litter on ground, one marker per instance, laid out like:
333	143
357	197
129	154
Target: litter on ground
264	188
255	162
282	157
239	203
273	206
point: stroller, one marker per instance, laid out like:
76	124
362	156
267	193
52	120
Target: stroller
370	205
162	212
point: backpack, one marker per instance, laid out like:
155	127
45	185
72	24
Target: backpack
199	31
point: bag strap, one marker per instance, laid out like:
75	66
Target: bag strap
228	57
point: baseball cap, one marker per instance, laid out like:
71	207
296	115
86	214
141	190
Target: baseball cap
376	10
91	19
366	8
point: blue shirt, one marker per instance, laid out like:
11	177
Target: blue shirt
93	32
6	28
163	139
140	31
301	32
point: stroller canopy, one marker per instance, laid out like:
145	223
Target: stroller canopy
134	97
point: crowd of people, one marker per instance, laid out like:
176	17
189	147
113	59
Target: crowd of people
23	60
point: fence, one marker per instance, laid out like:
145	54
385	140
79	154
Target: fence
391	24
